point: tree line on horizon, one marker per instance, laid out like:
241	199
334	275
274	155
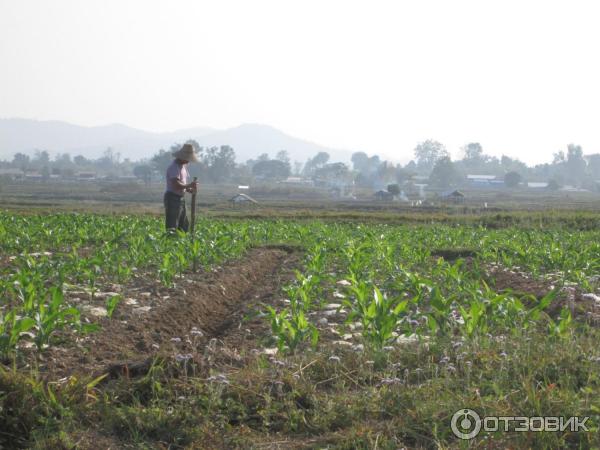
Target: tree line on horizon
431	163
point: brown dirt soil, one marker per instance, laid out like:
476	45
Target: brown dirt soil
218	303
582	307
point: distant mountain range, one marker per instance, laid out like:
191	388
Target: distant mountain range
248	140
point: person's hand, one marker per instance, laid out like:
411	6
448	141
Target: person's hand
192	187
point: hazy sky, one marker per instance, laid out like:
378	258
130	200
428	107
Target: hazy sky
521	77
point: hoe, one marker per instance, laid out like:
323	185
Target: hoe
193	223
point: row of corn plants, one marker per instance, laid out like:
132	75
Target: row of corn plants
44	256
396	287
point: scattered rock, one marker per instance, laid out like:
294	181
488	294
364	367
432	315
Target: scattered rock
142	310
591	296
97	311
105	294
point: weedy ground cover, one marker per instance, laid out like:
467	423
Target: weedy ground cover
381	334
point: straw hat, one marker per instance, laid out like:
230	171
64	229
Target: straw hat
186	153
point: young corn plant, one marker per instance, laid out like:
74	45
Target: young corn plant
92	270
561	327
53	316
290	329
438	319
11	329
111	304
473	317
379	314
166	271
195	252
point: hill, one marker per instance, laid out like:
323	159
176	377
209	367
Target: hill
248	140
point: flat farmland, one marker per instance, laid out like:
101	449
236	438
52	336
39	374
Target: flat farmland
296	332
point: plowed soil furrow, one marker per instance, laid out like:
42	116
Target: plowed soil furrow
213	303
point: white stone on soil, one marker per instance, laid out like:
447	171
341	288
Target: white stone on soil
332	306
592	296
322	321
97	311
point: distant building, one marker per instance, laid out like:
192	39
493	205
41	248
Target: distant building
242	199
34	176
568	188
86	176
537	185
13	174
383	195
484	181
453	197
297	181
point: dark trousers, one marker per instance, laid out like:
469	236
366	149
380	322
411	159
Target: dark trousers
175	213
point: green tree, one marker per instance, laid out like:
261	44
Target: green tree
360	161
21	161
553	185
41	159
161	160
593	162
283	155
386	172
220	163
143	172
428	153
394	189
45	172
576	164
272	169
316	162
403	174
320	159
81	160
473	151
334	172
512	179
444	174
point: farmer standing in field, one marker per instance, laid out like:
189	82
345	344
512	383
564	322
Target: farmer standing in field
177	186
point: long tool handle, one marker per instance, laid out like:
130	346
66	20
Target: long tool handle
192	225
193	209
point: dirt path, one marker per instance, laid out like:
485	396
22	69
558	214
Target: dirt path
202	307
